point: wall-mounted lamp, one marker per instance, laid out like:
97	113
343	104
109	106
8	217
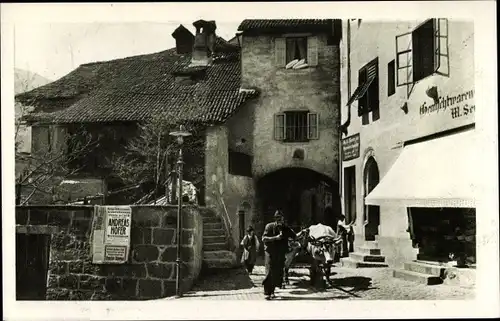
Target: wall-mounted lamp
432	92
405	107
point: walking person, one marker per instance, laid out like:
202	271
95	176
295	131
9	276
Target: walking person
275	238
251	246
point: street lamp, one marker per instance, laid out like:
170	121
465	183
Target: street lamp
180	134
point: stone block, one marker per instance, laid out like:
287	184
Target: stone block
91	282
129	288
169	221
38	217
114	284
81	227
58	267
60	218
145	253
170	254
168	288
90	268
101	295
81	295
53	281
69	281
123	270
143	217
22	216
75	267
159	270
163	236
57	294
149	289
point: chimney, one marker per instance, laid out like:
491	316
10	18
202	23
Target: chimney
184	40
204	43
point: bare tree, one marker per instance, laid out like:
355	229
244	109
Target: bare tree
151	156
39	171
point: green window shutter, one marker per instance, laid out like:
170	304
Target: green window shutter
279	126
312	51
312	126
280	51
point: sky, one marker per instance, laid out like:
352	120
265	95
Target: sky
54	49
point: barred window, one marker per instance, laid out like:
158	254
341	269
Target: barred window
296	126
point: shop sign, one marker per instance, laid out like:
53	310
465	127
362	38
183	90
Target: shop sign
111	234
457	106
350	147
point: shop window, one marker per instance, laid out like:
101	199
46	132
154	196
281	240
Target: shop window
391	78
367	93
422	52
296	126
350	193
288	49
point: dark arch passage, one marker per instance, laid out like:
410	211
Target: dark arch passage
302	194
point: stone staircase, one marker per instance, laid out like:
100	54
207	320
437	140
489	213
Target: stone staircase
420	272
216	253
365	256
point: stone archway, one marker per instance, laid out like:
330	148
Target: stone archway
371	213
302	194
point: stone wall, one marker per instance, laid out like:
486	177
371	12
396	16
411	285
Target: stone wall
316	89
150	272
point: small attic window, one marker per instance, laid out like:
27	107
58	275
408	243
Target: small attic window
184	79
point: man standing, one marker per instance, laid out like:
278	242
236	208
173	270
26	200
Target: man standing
275	238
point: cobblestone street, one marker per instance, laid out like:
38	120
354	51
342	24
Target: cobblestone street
348	284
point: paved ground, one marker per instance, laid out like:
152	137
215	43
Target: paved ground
348	284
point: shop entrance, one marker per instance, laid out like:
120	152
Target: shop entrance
371	213
302	194
444	234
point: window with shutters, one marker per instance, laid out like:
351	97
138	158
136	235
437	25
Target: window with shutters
296	126
367	93
422	52
294	52
296	49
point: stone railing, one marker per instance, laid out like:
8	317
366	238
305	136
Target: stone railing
150	271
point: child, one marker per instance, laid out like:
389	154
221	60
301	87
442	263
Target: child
250	245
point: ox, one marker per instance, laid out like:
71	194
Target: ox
321	242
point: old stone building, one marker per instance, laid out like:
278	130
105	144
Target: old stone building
408	141
281	151
294	138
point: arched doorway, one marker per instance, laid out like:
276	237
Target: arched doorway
371	214
302	194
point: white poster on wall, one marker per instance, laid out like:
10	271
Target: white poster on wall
111	234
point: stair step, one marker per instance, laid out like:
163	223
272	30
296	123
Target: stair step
362	257
214	232
212	226
369	250
371	245
207	212
351	263
423	268
215	247
214	239
219	264
422	278
214	219
218	255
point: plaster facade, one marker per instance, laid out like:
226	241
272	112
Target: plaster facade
383	138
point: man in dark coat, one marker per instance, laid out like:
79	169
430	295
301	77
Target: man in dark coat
275	238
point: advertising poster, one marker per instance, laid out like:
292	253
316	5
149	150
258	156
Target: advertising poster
111	234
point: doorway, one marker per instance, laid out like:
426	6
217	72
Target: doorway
32	260
371	212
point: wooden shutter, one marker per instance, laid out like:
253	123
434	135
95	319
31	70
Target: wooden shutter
280	51
312	126
279	126
312	51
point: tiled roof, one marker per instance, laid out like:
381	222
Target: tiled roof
288	24
136	88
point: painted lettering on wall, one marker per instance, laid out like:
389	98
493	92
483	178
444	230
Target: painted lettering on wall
449	103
